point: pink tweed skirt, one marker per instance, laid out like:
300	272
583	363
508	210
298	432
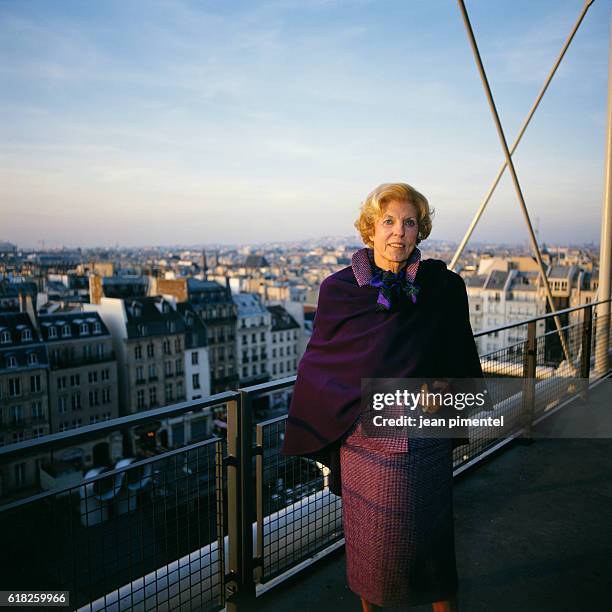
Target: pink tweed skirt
398	519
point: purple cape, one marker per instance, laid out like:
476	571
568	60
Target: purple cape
351	340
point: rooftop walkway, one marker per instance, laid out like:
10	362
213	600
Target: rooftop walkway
533	533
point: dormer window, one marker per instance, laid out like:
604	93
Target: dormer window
5	337
26	335
53	332
66	333
97	328
11	361
84	329
32	359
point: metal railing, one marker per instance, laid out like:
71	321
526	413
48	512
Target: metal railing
217	522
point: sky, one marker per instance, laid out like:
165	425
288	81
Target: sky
155	122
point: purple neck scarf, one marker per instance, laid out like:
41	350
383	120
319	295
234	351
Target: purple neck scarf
391	285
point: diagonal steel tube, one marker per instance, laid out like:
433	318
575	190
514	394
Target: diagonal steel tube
526	122
509	162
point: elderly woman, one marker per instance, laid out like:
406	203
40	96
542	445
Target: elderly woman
388	315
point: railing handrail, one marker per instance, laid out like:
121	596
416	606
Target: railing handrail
548	315
142	462
87	432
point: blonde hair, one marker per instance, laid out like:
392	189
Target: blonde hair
374	207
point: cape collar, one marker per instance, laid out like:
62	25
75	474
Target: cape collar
362	263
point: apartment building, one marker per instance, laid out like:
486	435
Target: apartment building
284	353
24	400
253	339
213	303
83	381
196	425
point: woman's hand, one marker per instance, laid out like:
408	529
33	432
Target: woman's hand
430	405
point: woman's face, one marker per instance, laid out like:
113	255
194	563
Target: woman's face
395	235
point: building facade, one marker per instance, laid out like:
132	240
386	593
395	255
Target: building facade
24	399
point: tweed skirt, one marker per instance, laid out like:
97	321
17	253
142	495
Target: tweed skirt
398	520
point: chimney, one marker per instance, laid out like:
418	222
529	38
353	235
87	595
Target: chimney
22	302
95	289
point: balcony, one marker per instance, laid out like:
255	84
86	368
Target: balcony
61	363
221	521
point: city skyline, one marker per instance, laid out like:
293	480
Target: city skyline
269	122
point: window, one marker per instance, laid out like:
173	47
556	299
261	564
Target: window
5	337
38	432
262	336
253	337
32	359
66	333
97	328
195	381
179	388
177	345
14	387
100	350
53	332
140	399
152	371
16	415
282	351
84	329
167	368
245	339
166	347
35	384
93	376
169	392
245	372
282	367
75	401
106	398
150	350
87	351
11	361
94	399
19	436
153	396
26	335
105	374
75	380
178	366
274	369
295	335
273	353
194	358
61	405
138	352
63	426
20	474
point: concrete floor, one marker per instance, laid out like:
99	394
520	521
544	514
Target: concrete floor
533	531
